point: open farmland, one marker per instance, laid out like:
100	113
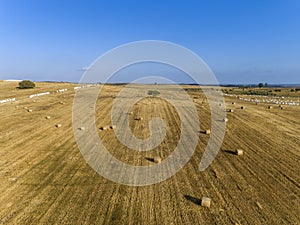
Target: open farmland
45	180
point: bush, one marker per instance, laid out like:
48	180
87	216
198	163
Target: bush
25	84
153	93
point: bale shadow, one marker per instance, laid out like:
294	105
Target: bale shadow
150	159
229	152
193	199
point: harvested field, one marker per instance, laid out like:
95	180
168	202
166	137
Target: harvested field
45	180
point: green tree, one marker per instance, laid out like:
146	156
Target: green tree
260	85
25	84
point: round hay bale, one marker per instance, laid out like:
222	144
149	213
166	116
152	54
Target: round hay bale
281	107
239	152
231	110
205	202
58	125
233	103
242	107
270	107
81	128
225	120
29	110
62	103
207	131
48	117
157	159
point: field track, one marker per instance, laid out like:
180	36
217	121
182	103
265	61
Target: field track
45	180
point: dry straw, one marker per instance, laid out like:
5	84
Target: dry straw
225	120
104	128
239	152
205	202
207	131
157	159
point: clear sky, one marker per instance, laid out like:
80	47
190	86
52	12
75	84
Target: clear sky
241	41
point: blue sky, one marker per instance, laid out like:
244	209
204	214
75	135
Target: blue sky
241	41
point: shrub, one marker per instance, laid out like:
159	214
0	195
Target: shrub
153	93
25	84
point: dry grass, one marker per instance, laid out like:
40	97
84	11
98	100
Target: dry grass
45	180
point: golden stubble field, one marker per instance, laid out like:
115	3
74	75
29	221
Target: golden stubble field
45	180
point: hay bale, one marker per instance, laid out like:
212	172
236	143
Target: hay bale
233	103
113	127
58	125
242	107
205	202
81	128
62	103
104	128
157	159
48	117
230	110
25	107
207	131
239	152
281	107
29	110
13	179
225	120
270	107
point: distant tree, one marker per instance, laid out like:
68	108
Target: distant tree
266	84
25	84
260	85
